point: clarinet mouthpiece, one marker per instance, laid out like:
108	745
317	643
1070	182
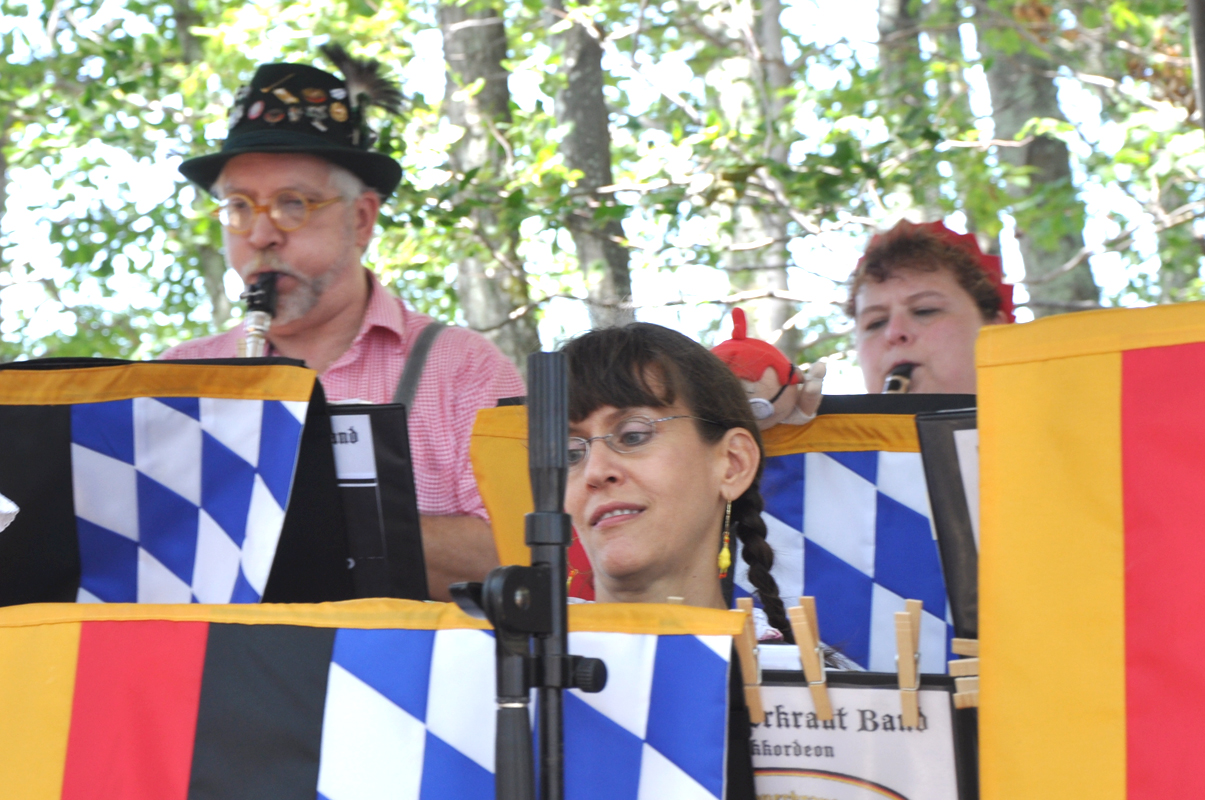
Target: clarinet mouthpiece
261	308
261	295
899	380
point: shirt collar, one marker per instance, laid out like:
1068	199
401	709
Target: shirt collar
383	311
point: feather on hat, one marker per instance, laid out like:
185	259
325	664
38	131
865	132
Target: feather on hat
365	84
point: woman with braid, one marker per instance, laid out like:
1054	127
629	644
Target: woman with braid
675	479
664	461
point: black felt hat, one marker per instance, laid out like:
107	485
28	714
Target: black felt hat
295	108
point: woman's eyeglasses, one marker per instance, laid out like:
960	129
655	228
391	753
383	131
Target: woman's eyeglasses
629	435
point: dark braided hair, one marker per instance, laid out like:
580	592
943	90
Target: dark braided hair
642	364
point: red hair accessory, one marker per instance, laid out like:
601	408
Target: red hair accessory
966	242
749	358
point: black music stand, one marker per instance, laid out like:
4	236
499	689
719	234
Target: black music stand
949	444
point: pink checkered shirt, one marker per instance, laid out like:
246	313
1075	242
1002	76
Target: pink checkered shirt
464	373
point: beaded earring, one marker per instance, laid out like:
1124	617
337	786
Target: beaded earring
725	559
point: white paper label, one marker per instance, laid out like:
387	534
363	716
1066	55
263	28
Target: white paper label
351	439
863	753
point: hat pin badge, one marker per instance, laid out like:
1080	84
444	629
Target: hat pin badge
268	89
317	114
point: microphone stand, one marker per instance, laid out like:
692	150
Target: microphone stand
528	608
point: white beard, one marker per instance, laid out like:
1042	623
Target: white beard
302	298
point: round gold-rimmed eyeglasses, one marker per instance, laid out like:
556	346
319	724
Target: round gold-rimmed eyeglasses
288	210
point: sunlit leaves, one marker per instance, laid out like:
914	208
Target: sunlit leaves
130	273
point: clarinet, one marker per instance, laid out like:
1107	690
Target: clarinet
261	308
899	379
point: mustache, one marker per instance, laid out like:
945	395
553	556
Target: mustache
272	262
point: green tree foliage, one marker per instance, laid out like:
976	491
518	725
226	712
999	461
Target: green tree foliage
819	135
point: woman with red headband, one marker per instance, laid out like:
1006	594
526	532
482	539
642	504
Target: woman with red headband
918	298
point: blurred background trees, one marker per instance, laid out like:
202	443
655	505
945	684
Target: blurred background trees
569	165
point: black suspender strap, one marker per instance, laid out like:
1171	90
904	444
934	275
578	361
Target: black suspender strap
413	372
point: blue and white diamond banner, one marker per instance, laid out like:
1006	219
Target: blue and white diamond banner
181	499
853	529
410	715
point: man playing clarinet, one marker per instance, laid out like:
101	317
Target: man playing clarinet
300	190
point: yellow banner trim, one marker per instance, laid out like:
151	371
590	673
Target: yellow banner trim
655	618
381	613
160	379
1091	333
894	433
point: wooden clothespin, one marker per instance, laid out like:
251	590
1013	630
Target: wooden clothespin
964	667
966	692
966	673
807	638
907	642
965	647
746	651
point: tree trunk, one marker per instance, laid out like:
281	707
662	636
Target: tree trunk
1180	250
1022	88
758	259
186	18
581	107
213	272
903	81
1196	16
4	127
210	259
899	52
490	281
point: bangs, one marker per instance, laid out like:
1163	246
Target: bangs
620	367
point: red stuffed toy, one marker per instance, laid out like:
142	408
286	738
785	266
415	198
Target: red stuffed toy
779	391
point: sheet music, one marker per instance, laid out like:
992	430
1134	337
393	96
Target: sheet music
863	753
966	443
8	511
